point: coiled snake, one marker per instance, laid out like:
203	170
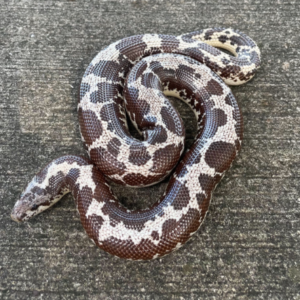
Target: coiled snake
138	73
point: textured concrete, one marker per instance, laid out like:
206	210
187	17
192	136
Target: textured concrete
248	247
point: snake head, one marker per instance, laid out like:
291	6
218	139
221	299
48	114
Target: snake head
33	201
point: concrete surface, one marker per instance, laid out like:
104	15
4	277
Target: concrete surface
248	247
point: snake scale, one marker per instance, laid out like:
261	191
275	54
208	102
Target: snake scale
134	75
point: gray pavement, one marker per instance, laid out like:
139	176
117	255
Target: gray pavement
249	245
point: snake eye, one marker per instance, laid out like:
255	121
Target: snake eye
34	207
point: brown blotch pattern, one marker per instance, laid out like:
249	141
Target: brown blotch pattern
155	235
91	126
214	88
138	155
207	182
113	146
220	155
221	116
180	195
166	156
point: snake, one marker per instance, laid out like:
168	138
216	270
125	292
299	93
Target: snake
133	78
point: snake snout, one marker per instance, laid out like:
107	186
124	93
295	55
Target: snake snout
15	217
16	214
24	208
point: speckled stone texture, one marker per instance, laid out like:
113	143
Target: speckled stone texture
249	245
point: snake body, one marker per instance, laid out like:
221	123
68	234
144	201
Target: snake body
136	74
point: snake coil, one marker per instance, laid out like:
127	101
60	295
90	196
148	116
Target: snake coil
135	75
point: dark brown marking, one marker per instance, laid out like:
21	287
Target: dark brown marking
220	155
200	198
180	194
228	99
113	146
221	117
139	179
167	157
207	182
168	227
155	235
107	69
139	71
214	87
107	111
72	176
91	127
105	93
169	42
223	39
106	162
138	155
124	46
160	135
236	40
96	223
